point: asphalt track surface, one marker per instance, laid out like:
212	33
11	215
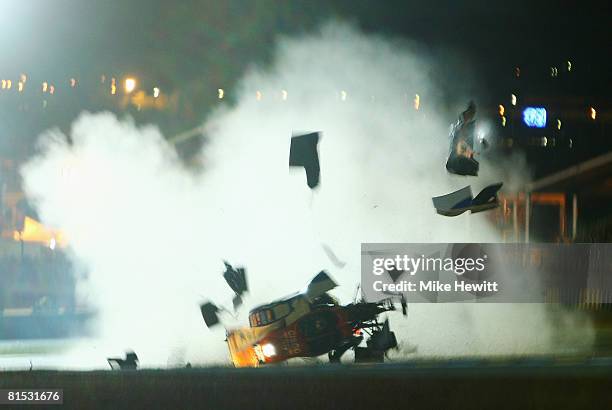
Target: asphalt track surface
527	383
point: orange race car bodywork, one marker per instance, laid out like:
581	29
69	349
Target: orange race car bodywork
306	324
314	334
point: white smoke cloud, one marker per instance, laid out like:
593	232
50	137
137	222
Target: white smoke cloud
153	233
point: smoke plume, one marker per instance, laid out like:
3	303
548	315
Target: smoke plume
153	233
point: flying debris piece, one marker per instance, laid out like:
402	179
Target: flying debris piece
235	278
458	202
129	363
209	314
332	257
486	199
461	199
237	302
304	153
404	305
319	285
461	157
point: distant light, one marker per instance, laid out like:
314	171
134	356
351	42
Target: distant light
20	86
113	86
284	94
534	117
130	85
517	72
417	101
502	110
593	113
155	92
23	78
51	89
503	121
558	124
220	93
3	84
258	95
544	141
73	82
52	244
570	142
554	72
343	95
9	83
569	66
513	99
44	87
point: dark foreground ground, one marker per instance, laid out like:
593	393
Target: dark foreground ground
535	383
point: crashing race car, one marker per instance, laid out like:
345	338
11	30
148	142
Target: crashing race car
307	324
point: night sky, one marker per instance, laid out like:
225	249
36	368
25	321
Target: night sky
193	46
74	35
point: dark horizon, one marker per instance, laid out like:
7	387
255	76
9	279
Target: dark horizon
193	47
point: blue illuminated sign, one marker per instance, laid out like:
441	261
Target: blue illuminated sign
534	117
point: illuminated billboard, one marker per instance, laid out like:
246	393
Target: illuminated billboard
534	117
